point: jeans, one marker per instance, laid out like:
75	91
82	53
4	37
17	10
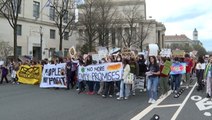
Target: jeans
175	85
152	86
199	75
124	89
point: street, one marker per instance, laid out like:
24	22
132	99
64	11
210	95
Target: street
29	102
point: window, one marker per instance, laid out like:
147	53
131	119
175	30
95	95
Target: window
19	50
65	51
52	34
36	9
51	13
65	16
19	29
66	35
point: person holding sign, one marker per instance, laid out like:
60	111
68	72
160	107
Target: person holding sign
125	88
189	65
153	79
164	76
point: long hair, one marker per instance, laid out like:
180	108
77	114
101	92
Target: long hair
155	61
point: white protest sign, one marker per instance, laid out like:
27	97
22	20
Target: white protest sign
96	57
101	72
103	52
53	76
166	53
1	62
153	50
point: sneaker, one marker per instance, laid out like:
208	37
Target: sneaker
77	89
110	96
187	87
175	91
150	100
103	96
126	98
133	93
141	90
208	96
144	90
119	98
117	94
153	101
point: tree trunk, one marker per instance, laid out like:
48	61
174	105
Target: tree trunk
15	42
61	35
141	46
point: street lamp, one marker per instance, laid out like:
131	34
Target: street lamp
41	41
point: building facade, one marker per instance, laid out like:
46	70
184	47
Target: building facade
36	26
35	22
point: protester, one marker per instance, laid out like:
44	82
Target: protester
200	67
134	69
89	61
153	79
189	65
163	79
4	73
109	86
208	77
124	88
118	59
142	68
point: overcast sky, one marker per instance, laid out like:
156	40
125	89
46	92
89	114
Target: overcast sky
182	16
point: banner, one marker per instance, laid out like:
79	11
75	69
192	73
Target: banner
101	72
29	74
54	76
166	68
178	68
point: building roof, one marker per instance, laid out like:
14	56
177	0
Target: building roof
177	38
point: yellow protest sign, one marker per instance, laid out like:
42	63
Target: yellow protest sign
29	74
178	53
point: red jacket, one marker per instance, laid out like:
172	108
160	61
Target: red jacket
189	65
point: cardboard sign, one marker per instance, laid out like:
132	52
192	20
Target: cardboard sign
72	52
178	53
166	68
165	53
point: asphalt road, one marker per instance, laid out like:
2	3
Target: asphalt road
29	102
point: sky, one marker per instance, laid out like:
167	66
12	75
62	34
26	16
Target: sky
183	16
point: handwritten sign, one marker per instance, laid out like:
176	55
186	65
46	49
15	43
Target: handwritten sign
178	53
178	68
101	72
29	74
54	76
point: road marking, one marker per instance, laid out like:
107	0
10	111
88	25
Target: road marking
183	104
170	105
150	108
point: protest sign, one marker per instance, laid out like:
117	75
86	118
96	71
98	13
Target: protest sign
1	62
101	72
178	68
153	50
72	52
96	57
165	53
103	52
54	76
178	53
126	53
167	67
29	74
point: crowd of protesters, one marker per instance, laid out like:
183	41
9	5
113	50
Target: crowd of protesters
155	82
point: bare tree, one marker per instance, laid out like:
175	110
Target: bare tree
10	11
106	20
63	16
137	27
88	19
5	50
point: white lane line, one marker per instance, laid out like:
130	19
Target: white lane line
183	104
169	105
148	109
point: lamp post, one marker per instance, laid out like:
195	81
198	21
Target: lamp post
41	41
